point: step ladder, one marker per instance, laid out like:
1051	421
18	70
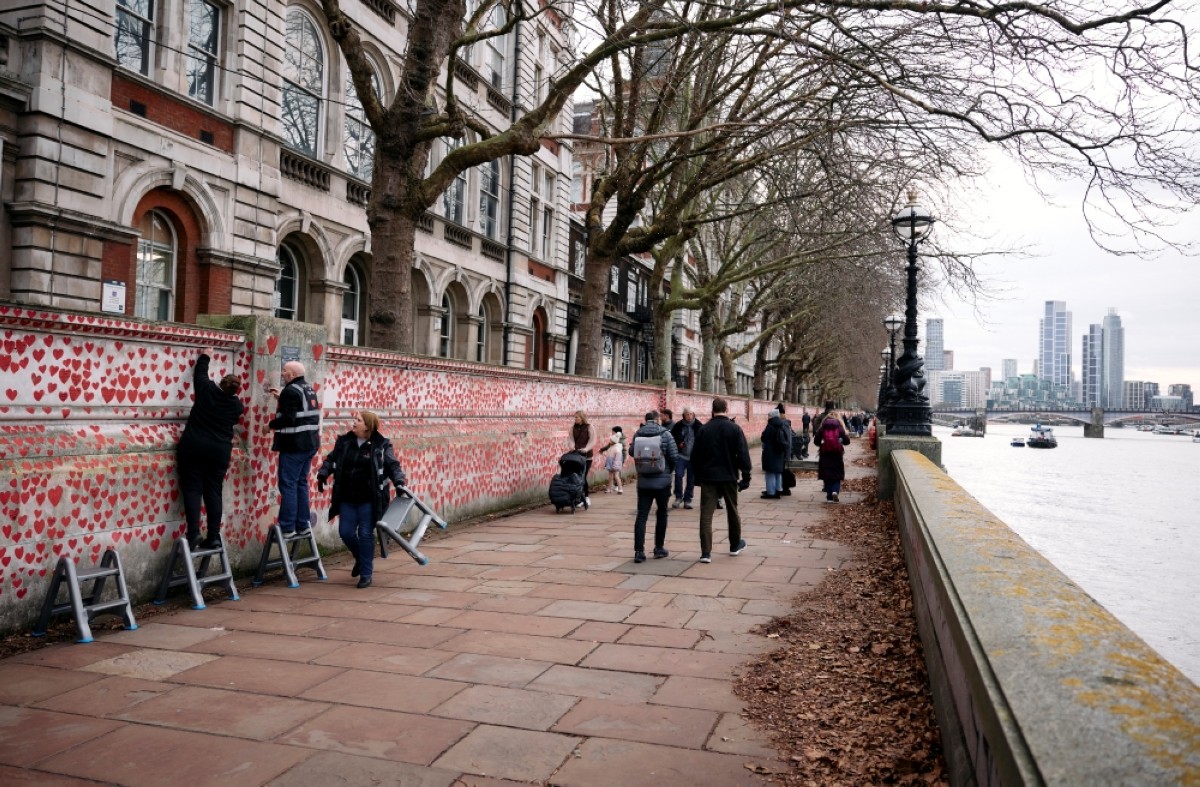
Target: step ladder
291	556
86	607
395	524
182	570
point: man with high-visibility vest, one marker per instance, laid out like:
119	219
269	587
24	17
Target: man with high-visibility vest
297	427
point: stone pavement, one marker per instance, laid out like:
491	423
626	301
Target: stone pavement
531	649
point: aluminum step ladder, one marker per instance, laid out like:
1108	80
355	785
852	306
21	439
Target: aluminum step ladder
182	570
86	607
291	556
395	524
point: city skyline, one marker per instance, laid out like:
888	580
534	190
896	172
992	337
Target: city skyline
1155	293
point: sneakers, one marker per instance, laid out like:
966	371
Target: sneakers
687	505
678	503
639	557
770	495
706	558
364	582
739	549
210	542
660	552
620	490
587	502
303	530
835	497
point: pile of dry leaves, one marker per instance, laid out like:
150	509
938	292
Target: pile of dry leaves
846	696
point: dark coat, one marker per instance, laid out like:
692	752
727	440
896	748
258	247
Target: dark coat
830	463
721	453
776	445
384	467
669	451
297	421
209	429
685	436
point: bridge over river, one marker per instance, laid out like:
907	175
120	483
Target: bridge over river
1087	416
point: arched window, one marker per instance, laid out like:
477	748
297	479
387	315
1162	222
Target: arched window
359	145
625	360
481	338
351	306
606	363
303	82
287	286
156	252
446	331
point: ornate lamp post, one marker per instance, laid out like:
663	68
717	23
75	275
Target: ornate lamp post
893	324
909	412
883	381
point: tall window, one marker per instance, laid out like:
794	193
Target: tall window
625	360
455	197
351	306
359	144
539	69
481	339
497	51
446	331
489	199
614	280
631	288
135	20
204	35
541	213
155	268
287	285
303	82
606	361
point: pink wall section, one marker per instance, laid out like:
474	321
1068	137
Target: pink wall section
91	409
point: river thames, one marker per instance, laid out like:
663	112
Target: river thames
1119	516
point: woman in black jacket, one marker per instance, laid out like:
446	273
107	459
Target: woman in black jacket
205	448
362	463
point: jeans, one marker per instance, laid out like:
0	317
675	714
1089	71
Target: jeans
774	483
645	498
709	495
294	467
684	472
356	526
832	487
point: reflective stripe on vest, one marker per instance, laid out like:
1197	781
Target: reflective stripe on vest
312	418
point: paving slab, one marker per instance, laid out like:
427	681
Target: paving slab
531	650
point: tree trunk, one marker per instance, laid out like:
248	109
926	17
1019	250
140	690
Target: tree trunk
663	324
708	361
591	315
730	373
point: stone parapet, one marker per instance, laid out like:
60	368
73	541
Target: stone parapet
930	447
1033	681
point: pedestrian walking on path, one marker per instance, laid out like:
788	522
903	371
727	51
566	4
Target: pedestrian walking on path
776	445
362	463
297	427
831	440
721	456
654	457
614	460
684	431
205	448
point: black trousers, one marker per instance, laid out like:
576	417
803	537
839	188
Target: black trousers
646	498
201	479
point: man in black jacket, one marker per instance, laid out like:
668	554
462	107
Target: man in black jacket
654	456
297	427
720	456
205	448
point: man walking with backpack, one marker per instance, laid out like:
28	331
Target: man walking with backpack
654	456
720	457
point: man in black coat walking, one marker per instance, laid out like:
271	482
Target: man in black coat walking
721	455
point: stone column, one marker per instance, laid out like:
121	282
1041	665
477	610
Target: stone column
929	447
1096	427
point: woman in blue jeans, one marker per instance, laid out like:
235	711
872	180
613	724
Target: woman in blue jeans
362	463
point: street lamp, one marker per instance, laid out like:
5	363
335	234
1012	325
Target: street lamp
908	411
893	324
883	380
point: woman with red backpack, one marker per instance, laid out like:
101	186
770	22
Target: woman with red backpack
831	439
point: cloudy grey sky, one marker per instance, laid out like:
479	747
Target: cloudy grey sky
1156	295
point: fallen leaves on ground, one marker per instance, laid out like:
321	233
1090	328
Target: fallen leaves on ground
845	696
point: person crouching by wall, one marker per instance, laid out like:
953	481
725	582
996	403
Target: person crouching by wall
361	463
831	439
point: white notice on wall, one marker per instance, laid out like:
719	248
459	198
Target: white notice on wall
112	298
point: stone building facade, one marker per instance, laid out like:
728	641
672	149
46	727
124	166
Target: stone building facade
164	159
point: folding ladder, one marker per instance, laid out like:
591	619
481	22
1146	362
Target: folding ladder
182	570
395	524
86	607
291	556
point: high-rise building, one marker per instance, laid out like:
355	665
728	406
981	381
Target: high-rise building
1112	368
935	344
1091	367
1009	366
1149	391
1054	345
948	360
1135	394
1184	392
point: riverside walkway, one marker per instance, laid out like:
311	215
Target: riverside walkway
531	649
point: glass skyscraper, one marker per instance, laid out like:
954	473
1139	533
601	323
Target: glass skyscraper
1112	371
1054	346
935	345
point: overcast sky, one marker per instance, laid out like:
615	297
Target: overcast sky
1157	296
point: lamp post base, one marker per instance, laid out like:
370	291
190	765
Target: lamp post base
910	419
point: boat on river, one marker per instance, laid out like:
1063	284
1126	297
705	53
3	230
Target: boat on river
1041	437
1018	442
966	431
